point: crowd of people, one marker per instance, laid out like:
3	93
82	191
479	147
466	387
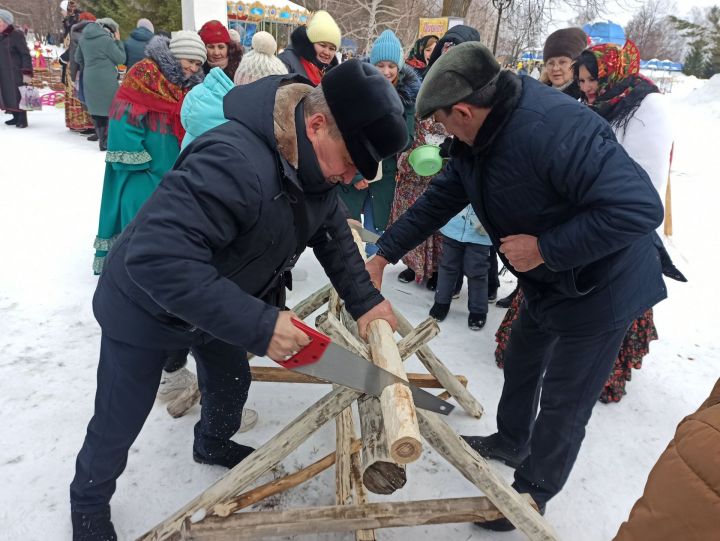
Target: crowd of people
570	203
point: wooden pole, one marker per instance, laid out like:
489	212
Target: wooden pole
260	461
441	372
251	497
417	338
191	396
476	470
252	526
398	408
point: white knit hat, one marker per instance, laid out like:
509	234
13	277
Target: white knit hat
261	61
187	44
234	35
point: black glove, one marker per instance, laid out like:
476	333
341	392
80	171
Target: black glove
668	267
445	147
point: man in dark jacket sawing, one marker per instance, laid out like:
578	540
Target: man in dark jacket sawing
572	215
205	262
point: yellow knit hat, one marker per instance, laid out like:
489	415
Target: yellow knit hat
322	27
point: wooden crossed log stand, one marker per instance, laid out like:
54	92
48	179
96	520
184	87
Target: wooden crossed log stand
390	438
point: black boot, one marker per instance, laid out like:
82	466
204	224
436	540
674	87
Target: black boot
229	457
439	311
476	321
505	302
432	282
503	524
13	120
491	447
21	120
93	137
406	276
93	526
103	135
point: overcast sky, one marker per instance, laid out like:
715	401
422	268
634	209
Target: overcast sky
621	11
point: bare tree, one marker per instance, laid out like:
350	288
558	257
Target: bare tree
653	33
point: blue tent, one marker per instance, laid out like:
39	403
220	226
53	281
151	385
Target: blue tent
605	32
529	55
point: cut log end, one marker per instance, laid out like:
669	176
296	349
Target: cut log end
406	450
384	477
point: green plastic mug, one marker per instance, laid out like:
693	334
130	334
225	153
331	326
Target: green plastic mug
425	160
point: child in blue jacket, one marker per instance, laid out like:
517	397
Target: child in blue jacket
466	248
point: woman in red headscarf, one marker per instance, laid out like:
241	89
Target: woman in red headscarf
222	52
611	84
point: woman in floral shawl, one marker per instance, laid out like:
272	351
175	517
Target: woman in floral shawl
145	130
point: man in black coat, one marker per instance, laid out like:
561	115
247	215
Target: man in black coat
205	263
572	216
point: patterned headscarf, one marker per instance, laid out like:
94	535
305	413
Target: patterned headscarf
621	87
615	63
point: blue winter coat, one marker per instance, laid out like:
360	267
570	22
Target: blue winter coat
544	165
202	109
466	227
135	45
219	231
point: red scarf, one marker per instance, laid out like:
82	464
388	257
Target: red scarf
314	73
145	91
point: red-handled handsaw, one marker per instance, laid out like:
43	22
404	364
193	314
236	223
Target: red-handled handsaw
325	360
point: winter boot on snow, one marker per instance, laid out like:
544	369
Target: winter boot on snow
439	311
229	456
174	383
476	321
93	526
406	276
492	447
503	524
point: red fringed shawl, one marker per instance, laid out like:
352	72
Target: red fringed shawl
146	93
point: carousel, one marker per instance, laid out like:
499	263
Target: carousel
279	17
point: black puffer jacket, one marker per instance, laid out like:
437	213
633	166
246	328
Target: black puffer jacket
544	165
219	230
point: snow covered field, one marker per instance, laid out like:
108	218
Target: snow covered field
50	184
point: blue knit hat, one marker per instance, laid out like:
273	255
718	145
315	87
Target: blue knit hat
387	48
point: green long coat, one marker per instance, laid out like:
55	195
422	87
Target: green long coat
382	191
98	55
137	159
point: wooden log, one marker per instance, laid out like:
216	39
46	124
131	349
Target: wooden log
251	497
191	396
398	408
475	468
441	372
316	520
417	338
260	461
380	474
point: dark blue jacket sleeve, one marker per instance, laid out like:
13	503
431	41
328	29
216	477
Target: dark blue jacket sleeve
199	208
337	252
578	155
444	198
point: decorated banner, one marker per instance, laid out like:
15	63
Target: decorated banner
433	26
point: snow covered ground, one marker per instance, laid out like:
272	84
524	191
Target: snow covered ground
50	184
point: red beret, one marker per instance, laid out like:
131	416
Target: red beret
214	32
